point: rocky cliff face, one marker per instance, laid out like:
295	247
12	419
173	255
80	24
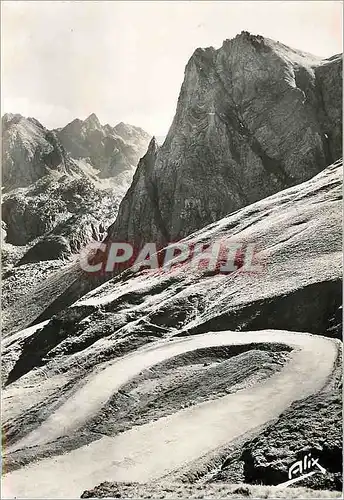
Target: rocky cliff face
111	150
253	117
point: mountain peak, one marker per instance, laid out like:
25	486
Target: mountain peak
121	127
93	120
153	145
9	119
9	116
217	127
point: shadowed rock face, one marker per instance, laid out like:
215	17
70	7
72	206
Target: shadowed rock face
253	117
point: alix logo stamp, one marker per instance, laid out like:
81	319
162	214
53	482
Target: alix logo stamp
305	467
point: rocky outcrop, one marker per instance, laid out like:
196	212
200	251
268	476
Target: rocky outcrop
328	77
111	150
253	117
60	205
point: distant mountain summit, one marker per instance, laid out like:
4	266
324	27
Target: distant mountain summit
30	150
111	150
253	117
62	187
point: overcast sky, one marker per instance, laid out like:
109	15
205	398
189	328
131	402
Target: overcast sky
125	61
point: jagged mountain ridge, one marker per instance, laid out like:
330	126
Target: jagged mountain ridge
253	117
30	150
48	192
111	150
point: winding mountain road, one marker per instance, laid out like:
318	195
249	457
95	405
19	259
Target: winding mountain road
150	451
